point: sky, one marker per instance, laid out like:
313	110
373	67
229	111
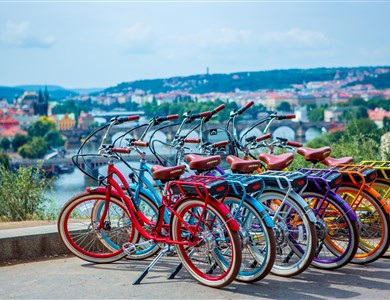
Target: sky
98	44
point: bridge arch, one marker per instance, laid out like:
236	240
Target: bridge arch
311	133
286	132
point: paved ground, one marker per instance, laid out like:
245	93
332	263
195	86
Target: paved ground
74	278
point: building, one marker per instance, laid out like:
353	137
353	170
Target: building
9	127
64	122
85	120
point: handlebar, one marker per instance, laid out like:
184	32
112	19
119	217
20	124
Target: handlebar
220	144
167	118
245	107
141	144
192	140
121	150
263	137
294	144
120	120
284	117
218	109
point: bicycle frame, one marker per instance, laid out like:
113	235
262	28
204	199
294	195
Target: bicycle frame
113	188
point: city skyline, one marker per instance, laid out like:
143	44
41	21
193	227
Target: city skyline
101	44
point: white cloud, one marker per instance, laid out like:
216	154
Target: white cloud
137	39
21	35
296	38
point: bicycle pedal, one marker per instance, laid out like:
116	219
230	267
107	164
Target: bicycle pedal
129	248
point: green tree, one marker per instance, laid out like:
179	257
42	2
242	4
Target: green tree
365	127
316	114
41	127
5	160
18	141
5	143
357	101
284	106
54	139
37	148
386	124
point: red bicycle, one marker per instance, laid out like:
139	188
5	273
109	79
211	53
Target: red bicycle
201	229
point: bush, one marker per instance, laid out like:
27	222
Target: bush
22	194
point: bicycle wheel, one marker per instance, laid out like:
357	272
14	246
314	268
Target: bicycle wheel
382	187
78	222
337	234
295	234
257	240
145	248
216	257
373	221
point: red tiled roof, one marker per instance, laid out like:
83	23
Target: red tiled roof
11	132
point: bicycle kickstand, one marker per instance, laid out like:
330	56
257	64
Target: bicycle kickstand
162	253
179	266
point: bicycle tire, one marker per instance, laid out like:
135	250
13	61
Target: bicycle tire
78	232
374	224
382	186
214	261
337	234
295	234
149	209
257	240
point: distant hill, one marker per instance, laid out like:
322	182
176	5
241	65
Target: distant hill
382	81
87	91
10	93
245	81
55	92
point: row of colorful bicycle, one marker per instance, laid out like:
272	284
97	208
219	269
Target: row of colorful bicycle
224	210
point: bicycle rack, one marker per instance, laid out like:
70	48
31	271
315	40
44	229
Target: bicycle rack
382	167
202	186
322	179
356	175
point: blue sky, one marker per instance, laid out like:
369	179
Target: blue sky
89	44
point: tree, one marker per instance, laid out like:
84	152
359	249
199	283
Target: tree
54	139
41	127
37	148
18	141
357	101
5	160
284	106
386	124
316	114
5	143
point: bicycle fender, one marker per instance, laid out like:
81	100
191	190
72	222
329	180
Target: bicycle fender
344	204
374	193
260	208
300	201
226	212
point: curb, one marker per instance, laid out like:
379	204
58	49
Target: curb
31	247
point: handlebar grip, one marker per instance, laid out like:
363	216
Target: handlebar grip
221	144
294	144
192	140
172	117
205	114
263	137
121	150
284	117
218	109
141	144
245	107
167	118
127	119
